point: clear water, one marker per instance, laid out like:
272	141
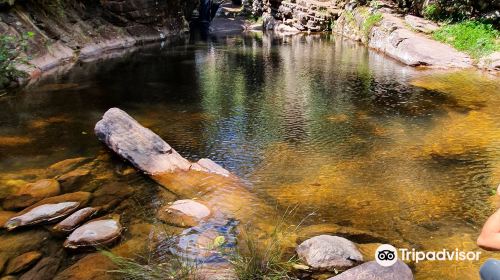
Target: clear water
313	122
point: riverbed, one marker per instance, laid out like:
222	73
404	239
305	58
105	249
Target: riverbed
343	135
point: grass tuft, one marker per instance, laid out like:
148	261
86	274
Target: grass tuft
475	38
370	22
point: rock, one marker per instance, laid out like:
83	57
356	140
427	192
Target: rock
490	62
185	213
66	165
326	252
73	179
421	24
93	266
45	269
368	250
75	219
41	214
373	271
208	165
95	233
112	193
80	197
137	144
9	277
22	262
31	193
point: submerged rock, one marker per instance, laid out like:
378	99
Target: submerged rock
66	165
185	213
45	269
22	262
31	193
95	233
75	219
41	214
71	180
326	252
373	271
93	266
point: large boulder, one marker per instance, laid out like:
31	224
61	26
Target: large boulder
96	233
31	193
137	144
327	252
184	213
373	271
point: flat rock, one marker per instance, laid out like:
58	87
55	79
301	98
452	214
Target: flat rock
421	24
373	271
75	219
184	213
31	193
137	144
42	214
22	262
326	252
95	233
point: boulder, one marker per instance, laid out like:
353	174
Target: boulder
327	252
137	144
75	219
31	193
373	271
184	213
22	262
96	233
208	165
421	24
41	214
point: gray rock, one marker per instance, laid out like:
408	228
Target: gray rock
75	219
184	213
41	214
137	144
327	252
95	233
373	271
421	24
208	165
490	62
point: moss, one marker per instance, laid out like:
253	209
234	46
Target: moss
475	38
370	22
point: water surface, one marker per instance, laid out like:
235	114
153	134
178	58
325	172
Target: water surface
325	125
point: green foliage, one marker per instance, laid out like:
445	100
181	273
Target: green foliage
11	50
475	38
370	22
266	258
431	12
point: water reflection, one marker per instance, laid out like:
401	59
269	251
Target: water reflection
311	121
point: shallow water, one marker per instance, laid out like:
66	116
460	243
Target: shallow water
345	135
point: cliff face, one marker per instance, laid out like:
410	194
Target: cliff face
65	31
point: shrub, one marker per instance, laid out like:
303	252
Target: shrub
475	38
11	50
431	12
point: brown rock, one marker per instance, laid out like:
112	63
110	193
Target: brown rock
41	214
73	179
31	193
95	233
66	165
75	219
23	262
5	216
108	193
93	266
43	270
